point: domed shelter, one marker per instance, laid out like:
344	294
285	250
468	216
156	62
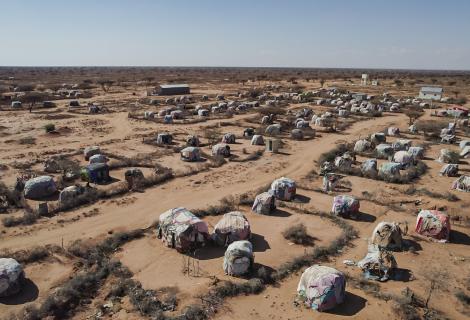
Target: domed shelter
11	277
404	158
191	154
362	146
462	184
345	206
192	141
221	149
297	134
401	144
134	177
393	131
257	140
378	264
248	132
98	158
416	152
164	138
264	203
39	187
390	171
238	258
321	288
91	151
434	224
448	156
233	226
387	235
96	173
69	195
284	189
369	168
229	138
181	229
384	151
378	138
273	129
449	170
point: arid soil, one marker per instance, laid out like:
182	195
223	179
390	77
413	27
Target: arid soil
437	273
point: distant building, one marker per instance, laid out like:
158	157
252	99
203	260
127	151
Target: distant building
364	79
172	89
432	93
359	96
375	82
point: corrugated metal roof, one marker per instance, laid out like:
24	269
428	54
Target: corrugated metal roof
431	89
166	86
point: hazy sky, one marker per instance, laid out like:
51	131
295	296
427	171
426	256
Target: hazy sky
415	34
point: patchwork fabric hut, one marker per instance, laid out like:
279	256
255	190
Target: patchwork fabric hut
16	104
434	224
362	146
321	288
228	138
378	264
96	173
191	154
369	168
238	258
233	226
11	277
248	132
297	134
69	195
462	184
393	131
91	151
345	206
39	187
134	177
390	171
450	170
164	138
384	151
273	129
168	119
416	152
387	235
465	153
98	158
192	141
344	162
404	158
378	138
257	140
401	144
264	203
203	113
464	143
221	149
180	229
284	189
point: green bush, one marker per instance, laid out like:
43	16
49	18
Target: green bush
50	127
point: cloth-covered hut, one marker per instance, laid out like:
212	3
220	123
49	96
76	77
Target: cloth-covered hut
449	170
39	187
257	140
12	277
284	189
387	235
238	258
221	149
91	151
462	184
233	226
265	203
191	154
345	206
434	224
378	264
96	173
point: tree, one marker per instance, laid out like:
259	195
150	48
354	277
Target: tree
322	82
413	115
398	82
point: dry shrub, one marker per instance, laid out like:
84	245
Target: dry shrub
297	234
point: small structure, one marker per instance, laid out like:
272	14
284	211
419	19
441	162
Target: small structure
404	158
69	195
390	171
364	79
465	153
16	104
449	170
384	151
362	146
284	189
257	140
96	173
393	131
233	226
359	96
273	129
345	206
134	177
168	119
149	115
297	134
192	141
98	158
191	154
172	89
238	258
378	264
164	138
248	132
228	138
39	187
180	229
462	184
430	93
378	138
221	149
344	162
448	156
11	277
387	235
272	145
264	203
401	144
369	168
321	288
74	103
434	224
91	151
416	152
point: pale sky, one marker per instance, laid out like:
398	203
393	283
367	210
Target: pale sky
408	34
